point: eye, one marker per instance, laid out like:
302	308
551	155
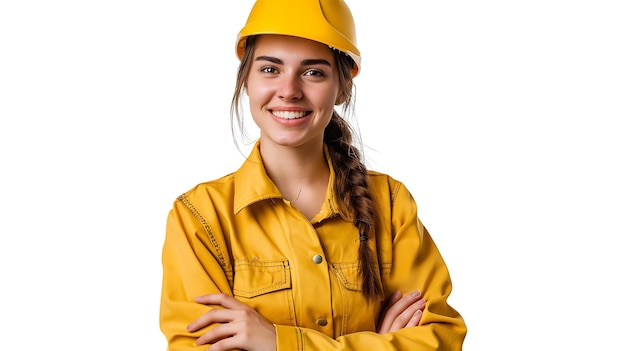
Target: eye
314	72
268	69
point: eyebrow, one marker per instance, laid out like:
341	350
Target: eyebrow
307	62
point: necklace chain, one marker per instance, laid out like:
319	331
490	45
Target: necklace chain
297	197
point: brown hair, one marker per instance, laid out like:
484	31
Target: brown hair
351	174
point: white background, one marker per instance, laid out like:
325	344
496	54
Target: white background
505	119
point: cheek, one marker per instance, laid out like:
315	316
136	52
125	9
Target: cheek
331	94
257	93
330	98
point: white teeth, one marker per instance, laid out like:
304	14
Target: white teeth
289	114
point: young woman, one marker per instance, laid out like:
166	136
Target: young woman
302	248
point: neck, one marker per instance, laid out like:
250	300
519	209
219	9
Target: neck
291	163
297	172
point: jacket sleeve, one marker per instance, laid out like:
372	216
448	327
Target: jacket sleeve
415	263
191	267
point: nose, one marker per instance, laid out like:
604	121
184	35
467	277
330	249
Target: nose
289	88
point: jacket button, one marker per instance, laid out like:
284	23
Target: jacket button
322	322
317	259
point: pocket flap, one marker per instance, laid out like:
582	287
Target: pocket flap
348	275
256	277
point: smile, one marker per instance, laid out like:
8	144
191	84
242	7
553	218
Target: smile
290	114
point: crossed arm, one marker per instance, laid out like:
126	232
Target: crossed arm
244	328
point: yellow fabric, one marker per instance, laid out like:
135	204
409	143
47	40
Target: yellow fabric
236	235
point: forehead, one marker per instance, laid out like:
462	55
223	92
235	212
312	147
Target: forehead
288	46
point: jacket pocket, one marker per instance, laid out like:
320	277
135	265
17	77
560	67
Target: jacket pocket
257	277
348	275
356	313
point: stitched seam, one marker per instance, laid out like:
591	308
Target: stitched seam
275	268
207	228
300	339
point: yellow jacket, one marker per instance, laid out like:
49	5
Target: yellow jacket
236	235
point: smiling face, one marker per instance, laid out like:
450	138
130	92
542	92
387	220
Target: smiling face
292	87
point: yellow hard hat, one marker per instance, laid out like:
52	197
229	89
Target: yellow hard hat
326	21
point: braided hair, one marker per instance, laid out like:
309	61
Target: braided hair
352	180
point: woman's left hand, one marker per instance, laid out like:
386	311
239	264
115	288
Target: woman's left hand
402	311
242	328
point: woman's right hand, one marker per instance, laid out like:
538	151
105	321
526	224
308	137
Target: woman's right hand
401	311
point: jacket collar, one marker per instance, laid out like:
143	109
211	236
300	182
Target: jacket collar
252	184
